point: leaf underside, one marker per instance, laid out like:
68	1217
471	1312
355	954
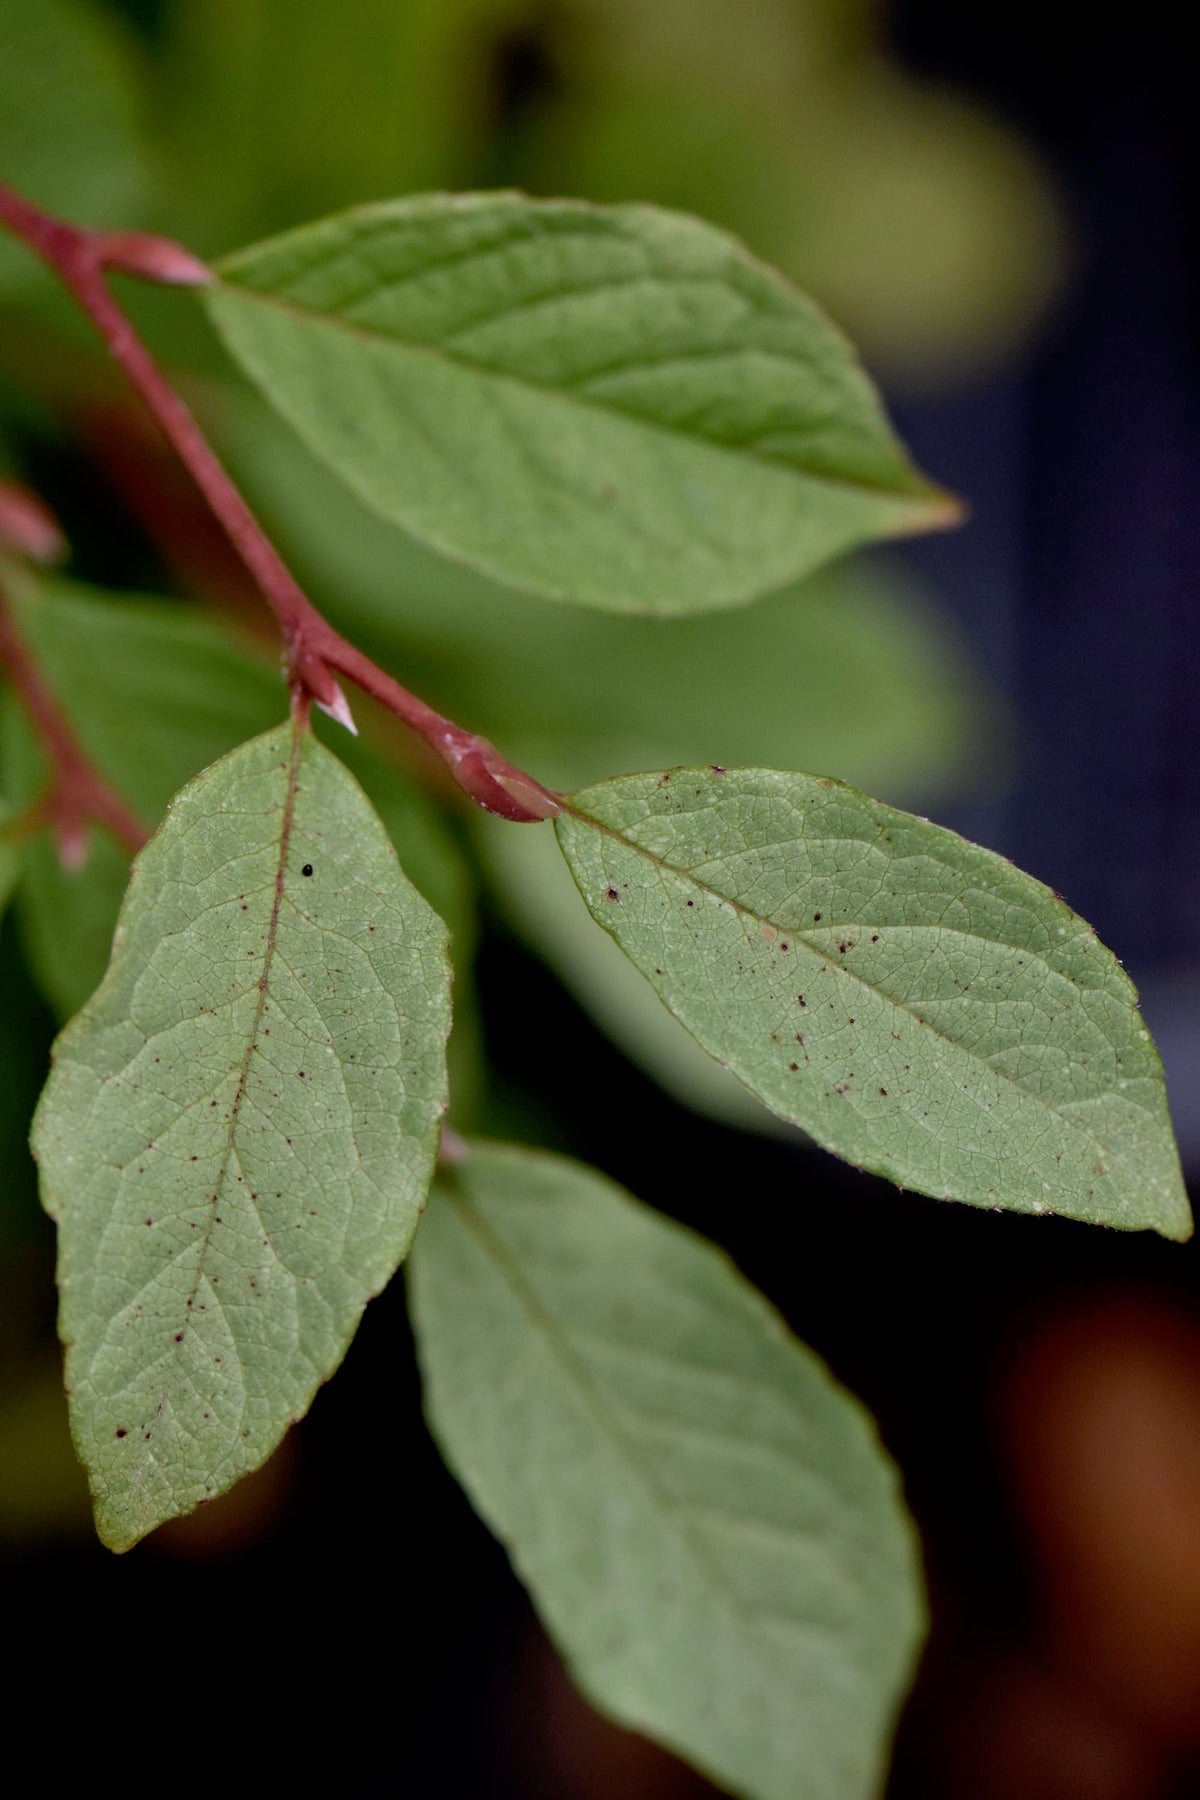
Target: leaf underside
707	1523
612	405
917	1004
240	1126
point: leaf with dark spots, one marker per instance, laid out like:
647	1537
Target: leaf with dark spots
976	999
208	1125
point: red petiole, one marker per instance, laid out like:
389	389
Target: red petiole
317	653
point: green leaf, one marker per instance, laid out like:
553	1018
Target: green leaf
176	695
240	1127
68	118
400	93
614	406
707	1523
852	671
542	904
920	1006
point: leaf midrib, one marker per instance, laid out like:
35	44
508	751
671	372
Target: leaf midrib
663	866
606	1418
922	499
285	833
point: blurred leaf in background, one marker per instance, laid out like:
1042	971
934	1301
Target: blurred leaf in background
924	227
70	117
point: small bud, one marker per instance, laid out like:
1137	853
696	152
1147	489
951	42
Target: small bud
28	526
72	837
338	707
153	258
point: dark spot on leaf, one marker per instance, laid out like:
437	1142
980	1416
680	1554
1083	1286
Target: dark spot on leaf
816	918
716	768
149	1221
121	1431
793	1065
179	1337
874	937
883	1091
613	894
307	869
800	1000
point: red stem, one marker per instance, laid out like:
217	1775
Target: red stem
77	795
315	650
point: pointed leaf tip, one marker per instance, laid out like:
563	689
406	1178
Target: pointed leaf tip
918	1005
239	1127
706	1522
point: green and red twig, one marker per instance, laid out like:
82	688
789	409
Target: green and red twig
317	653
77	795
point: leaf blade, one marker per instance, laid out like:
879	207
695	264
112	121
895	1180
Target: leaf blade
177	696
706	1521
914	1002
615	406
181	1153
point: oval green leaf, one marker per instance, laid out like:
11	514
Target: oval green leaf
918	1005
612	405
706	1521
240	1127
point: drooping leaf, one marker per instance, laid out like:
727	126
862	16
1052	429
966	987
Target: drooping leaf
68	117
240	1127
614	406
176	695
706	1522
916	1003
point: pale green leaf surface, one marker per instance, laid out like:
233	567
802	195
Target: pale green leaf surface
913	1001
616	406
707	1523
176	695
240	1127
68	118
853	671
544	906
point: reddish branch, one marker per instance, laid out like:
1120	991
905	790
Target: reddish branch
78	795
317	653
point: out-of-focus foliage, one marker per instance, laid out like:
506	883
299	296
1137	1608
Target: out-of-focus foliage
69	116
923	225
